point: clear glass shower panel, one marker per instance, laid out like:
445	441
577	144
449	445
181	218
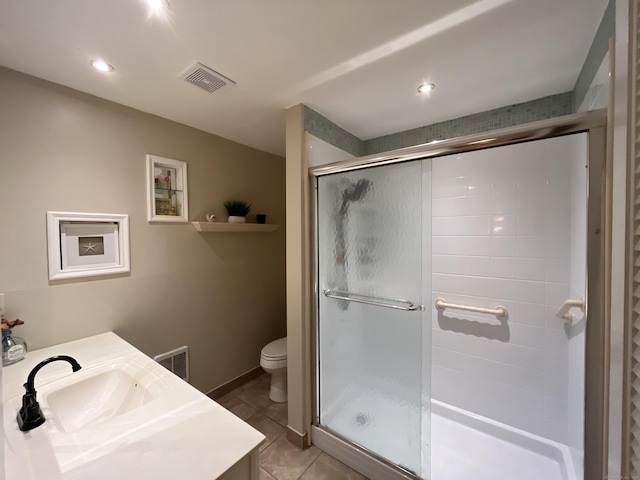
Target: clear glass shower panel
370	321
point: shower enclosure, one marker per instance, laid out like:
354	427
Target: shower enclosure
452	339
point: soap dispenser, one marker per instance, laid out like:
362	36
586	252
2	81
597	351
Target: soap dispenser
14	349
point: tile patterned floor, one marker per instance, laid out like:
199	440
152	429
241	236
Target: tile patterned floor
279	459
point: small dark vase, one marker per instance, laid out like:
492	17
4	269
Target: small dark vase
261	218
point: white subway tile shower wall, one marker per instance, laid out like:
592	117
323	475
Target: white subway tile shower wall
598	94
502	234
320	152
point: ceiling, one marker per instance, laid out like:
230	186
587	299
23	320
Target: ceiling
357	62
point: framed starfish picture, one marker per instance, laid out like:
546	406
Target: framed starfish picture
87	244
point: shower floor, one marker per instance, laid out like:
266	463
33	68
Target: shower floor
463	445
466	446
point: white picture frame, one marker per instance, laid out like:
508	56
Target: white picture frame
167	190
87	244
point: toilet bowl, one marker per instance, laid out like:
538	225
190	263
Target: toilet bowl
273	359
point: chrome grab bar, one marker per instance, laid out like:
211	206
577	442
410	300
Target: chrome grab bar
499	311
375	301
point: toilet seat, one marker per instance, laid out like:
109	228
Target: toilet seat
276	350
274	354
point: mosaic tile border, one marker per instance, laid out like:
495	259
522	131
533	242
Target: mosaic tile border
326	130
508	116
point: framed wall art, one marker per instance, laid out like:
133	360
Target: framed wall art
167	199
87	244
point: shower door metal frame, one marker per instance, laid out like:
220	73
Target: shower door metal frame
593	123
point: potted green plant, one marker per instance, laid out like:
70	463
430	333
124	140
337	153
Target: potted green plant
237	210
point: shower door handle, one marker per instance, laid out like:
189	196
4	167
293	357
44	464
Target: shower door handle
405	305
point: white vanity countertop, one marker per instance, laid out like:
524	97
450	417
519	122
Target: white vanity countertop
180	435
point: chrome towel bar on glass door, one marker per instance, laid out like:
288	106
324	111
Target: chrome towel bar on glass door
375	301
499	311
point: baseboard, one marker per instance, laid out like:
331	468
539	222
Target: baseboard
235	383
296	439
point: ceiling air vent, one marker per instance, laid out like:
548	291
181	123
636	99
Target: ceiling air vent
203	77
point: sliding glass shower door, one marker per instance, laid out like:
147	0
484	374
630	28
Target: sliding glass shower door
370	335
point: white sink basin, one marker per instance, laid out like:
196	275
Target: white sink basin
122	416
98	394
88	412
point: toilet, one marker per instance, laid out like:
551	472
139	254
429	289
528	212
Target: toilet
273	359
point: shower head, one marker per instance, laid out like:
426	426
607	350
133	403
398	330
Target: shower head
353	192
356	191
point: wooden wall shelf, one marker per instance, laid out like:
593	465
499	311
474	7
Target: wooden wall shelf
223	227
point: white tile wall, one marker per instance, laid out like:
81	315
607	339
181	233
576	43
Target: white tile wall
598	94
502	229
320	152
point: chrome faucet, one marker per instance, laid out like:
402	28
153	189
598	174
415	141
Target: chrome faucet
30	416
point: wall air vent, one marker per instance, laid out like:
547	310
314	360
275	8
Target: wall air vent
176	361
203	77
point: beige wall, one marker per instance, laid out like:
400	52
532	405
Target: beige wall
223	295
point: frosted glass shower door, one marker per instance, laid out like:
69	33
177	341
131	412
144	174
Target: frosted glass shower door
370	318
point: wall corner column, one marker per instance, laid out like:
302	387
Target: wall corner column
298	289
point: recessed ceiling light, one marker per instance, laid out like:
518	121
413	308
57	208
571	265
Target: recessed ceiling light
425	88
157	5
102	66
